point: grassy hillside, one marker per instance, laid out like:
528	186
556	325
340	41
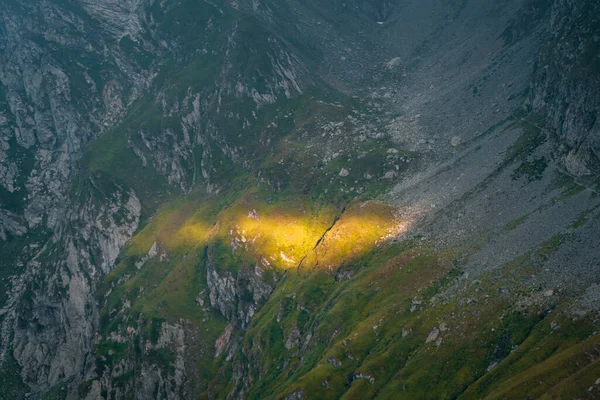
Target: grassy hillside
267	267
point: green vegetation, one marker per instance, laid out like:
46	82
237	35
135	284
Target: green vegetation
514	223
369	335
572	189
533	137
24	160
533	170
582	219
10	380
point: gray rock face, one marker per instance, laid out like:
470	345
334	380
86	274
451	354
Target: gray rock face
378	10
293	340
10	224
237	298
567	82
118	18
222	293
65	81
151	381
163	374
53	316
51	105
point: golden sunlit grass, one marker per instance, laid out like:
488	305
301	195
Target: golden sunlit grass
279	235
194	233
275	235
284	237
167	283
362	227
178	226
279	238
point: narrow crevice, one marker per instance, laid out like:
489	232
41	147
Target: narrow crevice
335	220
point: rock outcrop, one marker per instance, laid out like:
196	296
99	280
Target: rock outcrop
567	82
52	317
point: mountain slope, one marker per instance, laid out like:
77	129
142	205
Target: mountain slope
299	199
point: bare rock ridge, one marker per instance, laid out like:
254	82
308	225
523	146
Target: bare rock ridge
299	199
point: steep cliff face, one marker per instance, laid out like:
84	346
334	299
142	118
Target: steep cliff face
187	198
66	79
53	317
567	82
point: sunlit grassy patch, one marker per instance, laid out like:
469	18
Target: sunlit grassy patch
279	234
181	224
359	230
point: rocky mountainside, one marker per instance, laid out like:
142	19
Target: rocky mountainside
566	86
299	199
